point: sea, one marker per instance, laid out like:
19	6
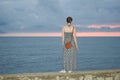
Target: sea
45	54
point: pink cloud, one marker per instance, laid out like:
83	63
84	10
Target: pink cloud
98	26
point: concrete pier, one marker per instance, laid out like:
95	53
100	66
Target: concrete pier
80	75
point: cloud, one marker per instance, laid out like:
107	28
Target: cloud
2	32
98	26
47	15
94	11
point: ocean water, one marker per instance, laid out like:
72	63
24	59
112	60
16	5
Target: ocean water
44	54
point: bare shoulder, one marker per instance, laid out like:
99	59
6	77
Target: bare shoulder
64	27
74	27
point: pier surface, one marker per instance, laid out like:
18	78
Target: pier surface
80	75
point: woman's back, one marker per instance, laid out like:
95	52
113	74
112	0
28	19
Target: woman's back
68	36
68	28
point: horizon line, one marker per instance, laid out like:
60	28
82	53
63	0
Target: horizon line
58	34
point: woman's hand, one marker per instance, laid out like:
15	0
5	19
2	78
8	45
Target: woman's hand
76	47
63	44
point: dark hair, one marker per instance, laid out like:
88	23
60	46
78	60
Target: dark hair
69	19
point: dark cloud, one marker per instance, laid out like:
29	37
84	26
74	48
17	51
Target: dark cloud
50	15
2	32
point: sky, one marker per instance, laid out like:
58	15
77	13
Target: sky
45	16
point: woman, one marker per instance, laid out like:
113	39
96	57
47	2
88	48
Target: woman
69	54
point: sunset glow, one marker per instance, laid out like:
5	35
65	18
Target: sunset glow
57	34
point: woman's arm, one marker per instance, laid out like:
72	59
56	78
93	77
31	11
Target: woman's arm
75	38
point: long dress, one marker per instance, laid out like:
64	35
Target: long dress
69	55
